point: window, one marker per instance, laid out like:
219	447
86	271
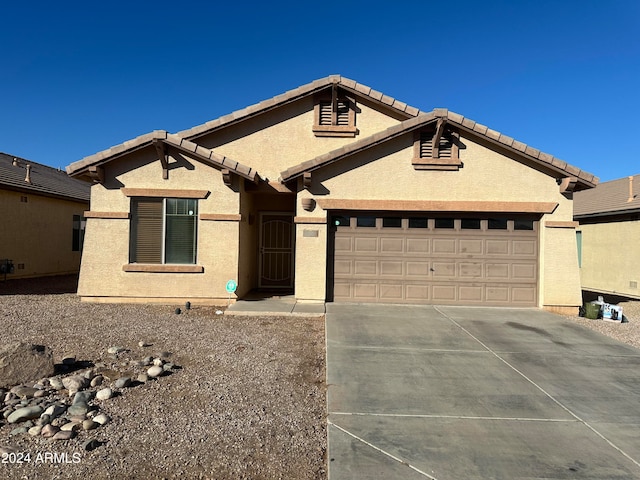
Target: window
436	148
470	224
579	242
366	221
335	116
418	223
497	224
391	222
77	239
523	224
444	223
163	230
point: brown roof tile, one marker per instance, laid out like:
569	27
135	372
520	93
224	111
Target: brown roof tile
45	180
607	198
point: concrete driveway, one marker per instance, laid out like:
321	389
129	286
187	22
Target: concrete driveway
460	393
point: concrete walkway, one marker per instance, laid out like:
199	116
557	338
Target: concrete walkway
454	393
274	306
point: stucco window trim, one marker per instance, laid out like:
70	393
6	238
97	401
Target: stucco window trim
107	215
160	268
221	217
165	193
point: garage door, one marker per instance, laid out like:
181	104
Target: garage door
484	260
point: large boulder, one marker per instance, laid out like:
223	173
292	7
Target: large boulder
24	362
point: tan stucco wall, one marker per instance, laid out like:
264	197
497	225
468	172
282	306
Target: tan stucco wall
611	257
486	176
107	240
38	234
272	147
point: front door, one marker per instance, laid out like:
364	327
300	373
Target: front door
276	250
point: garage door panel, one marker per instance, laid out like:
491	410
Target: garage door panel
343	267
391	292
444	245
470	294
393	245
497	271
418	245
444	293
524	271
471	247
365	244
391	268
497	247
365	267
470	270
415	268
442	269
497	294
525	248
439	266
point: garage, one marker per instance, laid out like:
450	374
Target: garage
487	259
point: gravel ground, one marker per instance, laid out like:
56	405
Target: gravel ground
628	333
248	403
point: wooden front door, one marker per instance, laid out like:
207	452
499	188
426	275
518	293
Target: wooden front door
276	250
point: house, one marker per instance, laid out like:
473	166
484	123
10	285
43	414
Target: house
332	191
608	246
41	211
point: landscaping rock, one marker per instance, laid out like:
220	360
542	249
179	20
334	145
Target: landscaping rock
91	444
115	350
104	394
25	413
49	431
102	419
122	382
89	424
56	383
64	435
24	362
74	384
97	381
155	371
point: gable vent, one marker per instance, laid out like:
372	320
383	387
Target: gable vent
342	113
426	145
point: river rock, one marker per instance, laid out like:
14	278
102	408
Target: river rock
24	362
24	392
97	381
71	426
56	383
102	419
35	431
83	397
74	383
89	424
49	431
155	371
64	435
25	413
18	431
55	410
115	350
122	382
104	394
78	410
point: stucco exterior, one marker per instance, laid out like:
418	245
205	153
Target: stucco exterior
267	160
37	209
605	266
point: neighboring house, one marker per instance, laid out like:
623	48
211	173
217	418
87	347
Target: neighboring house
332	192
41	211
609	236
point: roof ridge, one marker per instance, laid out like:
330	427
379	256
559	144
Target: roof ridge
294	94
451	117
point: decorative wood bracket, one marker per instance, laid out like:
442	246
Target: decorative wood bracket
306	180
437	136
96	174
163	156
226	177
567	184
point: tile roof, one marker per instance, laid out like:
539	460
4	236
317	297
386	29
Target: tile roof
297	93
608	198
81	166
45	180
586	179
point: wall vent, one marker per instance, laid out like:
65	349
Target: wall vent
633	284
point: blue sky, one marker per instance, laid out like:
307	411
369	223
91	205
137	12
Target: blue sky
561	76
